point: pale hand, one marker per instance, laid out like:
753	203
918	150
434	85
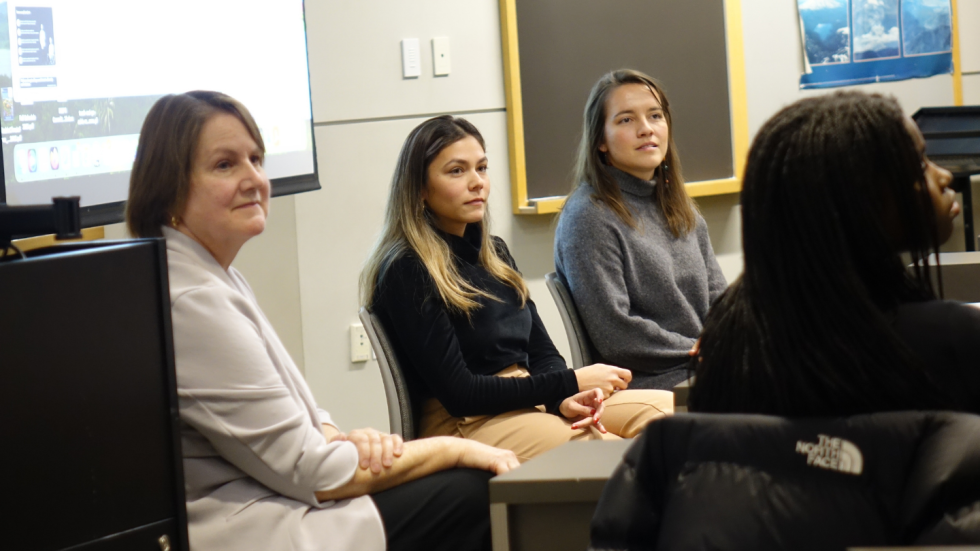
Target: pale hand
586	406
474	455
607	378
374	448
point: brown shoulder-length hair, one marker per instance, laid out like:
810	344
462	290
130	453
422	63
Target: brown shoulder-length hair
160	180
591	164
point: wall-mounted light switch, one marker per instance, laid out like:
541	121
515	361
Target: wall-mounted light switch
360	346
411	62
440	56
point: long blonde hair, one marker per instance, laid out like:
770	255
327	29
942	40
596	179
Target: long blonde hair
591	165
409	226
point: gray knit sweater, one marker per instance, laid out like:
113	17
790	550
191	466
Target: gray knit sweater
642	293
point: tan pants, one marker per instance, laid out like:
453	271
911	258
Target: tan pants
531	431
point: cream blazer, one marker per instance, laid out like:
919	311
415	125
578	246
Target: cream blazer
253	449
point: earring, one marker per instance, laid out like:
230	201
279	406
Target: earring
663	170
174	221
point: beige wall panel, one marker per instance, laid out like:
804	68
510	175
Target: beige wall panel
724	218
355	57
116	231
971	88
969	16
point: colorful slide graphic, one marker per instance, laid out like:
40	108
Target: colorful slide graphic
74	96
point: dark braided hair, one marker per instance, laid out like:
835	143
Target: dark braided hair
834	190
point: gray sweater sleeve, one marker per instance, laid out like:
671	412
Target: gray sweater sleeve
593	254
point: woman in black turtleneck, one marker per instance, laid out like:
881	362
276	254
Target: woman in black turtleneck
477	358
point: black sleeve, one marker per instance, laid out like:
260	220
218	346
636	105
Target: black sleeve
541	352
543	357
422	331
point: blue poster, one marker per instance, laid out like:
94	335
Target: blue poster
849	42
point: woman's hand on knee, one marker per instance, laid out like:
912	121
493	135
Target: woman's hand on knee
475	455
586	407
607	378
375	449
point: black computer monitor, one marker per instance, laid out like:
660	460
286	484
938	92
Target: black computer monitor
952	137
91	450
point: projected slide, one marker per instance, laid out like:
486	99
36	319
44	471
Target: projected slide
77	79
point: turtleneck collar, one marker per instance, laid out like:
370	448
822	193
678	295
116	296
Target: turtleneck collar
467	247
631	184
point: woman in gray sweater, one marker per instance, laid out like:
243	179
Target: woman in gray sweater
630	244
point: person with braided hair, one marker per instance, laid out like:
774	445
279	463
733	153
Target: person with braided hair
826	319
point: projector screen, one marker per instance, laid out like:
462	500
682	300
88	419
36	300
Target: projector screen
77	78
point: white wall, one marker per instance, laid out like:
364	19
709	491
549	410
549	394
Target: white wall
355	58
969	18
971	89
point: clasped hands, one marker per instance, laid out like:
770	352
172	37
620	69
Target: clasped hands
595	383
587	406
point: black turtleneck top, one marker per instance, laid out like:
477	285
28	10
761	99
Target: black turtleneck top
452	358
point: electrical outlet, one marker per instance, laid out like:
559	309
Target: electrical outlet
360	346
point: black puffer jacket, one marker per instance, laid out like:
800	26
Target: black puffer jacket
753	482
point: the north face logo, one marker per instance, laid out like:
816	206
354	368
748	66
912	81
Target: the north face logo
835	454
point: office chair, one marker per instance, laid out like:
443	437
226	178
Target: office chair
578	339
401	416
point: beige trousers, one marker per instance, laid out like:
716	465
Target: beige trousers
531	431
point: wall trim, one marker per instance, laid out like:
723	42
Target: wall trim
413	116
